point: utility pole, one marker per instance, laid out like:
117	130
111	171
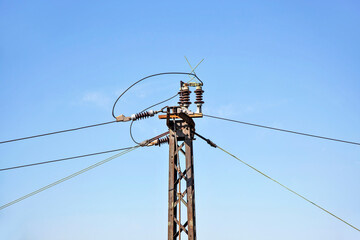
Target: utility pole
181	205
179	119
181	181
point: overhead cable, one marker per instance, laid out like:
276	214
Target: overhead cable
104	123
150	76
62	131
67	178
297	194
282	130
148	142
64	159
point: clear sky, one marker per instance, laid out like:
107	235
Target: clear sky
288	64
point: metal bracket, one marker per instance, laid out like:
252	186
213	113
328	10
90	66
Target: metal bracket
122	118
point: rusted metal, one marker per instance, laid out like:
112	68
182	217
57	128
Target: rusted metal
187	119
176	116
167	116
181	154
172	213
190	188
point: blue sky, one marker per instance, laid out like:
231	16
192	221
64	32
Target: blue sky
287	64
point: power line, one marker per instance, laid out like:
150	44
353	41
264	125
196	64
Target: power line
67	178
150	76
86	155
168	99
113	114
64	159
80	156
104	123
297	194
282	130
62	131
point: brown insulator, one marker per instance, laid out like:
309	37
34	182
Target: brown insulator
199	96
160	141
142	115
184	99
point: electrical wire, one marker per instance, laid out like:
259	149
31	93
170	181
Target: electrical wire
131	124
131	135
67	178
80	156
104	123
282	130
64	159
62	131
297	194
153	75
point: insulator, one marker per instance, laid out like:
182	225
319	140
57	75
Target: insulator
184	99
199	95
199	99
142	115
160	141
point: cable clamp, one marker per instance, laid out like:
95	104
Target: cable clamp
122	118
145	143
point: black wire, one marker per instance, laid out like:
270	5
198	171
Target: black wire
154	75
50	133
131	135
272	179
282	130
98	124
64	159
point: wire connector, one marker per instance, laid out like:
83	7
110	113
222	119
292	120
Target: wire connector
144	143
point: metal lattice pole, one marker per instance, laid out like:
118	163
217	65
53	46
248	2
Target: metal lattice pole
180	144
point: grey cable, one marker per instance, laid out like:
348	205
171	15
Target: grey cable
63	159
67	178
282	130
62	131
297	194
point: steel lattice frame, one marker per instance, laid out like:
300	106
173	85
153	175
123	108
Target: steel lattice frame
181	136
